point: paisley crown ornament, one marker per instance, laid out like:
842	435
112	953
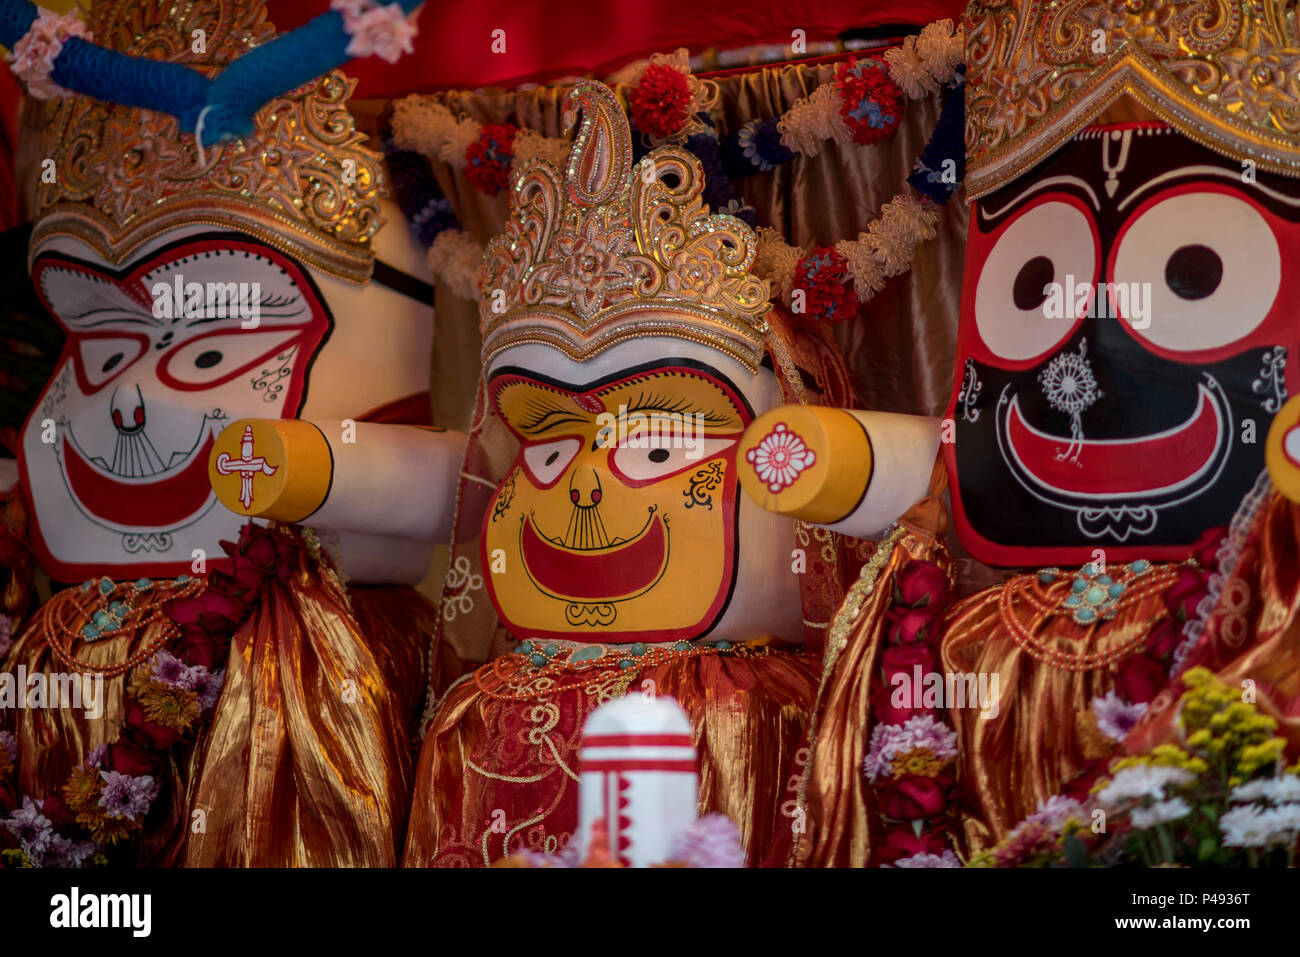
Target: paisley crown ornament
1224	73
612	250
302	182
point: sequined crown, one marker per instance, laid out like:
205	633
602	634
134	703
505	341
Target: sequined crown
302	182
1225	73
610	250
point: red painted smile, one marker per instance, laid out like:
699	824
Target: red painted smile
1119	468
149	504
613	573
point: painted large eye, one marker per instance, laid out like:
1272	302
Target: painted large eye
1205	268
651	455
547	460
1019	311
210	359
104	357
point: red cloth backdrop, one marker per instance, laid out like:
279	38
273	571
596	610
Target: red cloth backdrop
546	39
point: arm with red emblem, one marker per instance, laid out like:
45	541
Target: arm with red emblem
368	478
854	472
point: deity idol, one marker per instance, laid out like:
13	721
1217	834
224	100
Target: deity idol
197	286
624	352
1125	327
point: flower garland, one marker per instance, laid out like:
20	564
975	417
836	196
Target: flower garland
863	104
55	55
106	798
911	758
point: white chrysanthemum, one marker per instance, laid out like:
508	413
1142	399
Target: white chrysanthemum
813	120
1249	825
1274	790
940	48
457	261
530	145
1056	810
776	260
1162	812
1142	781
907	70
1115	716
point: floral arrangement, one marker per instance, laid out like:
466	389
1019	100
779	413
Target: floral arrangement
863	104
711	841
106	799
911	756
1219	798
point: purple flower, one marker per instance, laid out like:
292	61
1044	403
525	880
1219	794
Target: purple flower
64	852
1115	716
96	757
169	669
127	797
712	841
10	744
29	825
205	684
946	859
917	732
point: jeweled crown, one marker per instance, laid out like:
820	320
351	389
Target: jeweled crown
610	250
1225	73
303	182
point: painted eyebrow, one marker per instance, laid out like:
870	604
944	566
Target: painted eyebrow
542	414
1206	170
991	214
654	402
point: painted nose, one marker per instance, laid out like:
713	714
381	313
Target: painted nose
584	488
128	411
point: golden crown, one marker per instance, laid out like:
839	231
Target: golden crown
613	250
1222	72
302	182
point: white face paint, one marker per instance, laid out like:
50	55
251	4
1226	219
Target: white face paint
115	452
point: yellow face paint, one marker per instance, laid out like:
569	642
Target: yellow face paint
618	522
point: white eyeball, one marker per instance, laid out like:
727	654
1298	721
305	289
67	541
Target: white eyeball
1209	268
546	460
1015	310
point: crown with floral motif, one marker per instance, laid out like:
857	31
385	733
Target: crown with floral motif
302	182
610	250
1225	73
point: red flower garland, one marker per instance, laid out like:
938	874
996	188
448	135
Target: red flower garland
823	276
659	103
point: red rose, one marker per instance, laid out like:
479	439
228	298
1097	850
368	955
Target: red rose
913	626
921	583
1164	638
1205	548
1140	678
913	796
488	159
901	841
58	812
128	758
199	647
1186	593
901	660
155	735
658	103
824	277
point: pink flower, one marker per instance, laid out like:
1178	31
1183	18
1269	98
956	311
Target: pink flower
712	841
32	59
385	32
921	583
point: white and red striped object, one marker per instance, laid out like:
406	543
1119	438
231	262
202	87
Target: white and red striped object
638	770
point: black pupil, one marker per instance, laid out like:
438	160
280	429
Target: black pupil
207	360
1194	271
1030	289
112	361
550	459
658	455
